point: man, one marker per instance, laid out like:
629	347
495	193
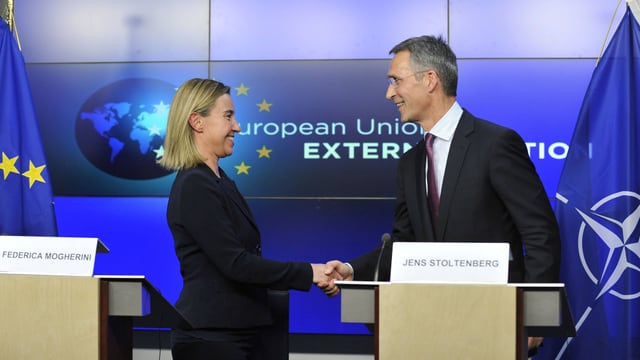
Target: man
475	183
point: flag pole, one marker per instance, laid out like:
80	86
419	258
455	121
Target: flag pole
11	21
608	31
4	11
634	5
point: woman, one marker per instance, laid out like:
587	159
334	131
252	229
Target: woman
225	279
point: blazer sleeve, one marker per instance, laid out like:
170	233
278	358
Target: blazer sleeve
403	230
517	183
227	237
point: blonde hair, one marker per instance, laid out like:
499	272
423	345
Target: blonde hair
194	95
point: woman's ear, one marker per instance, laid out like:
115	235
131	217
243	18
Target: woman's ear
196	122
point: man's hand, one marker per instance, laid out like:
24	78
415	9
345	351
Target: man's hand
338	267
324	279
332	271
534	342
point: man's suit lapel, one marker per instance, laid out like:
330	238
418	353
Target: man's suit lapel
455	161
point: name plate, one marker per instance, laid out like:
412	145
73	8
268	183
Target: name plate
442	262
43	255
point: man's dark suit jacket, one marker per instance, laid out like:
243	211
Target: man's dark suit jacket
491	192
225	279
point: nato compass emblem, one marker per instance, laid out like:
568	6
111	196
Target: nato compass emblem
617	240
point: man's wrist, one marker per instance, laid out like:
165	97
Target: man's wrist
350	269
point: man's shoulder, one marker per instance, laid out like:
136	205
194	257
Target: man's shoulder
482	125
414	151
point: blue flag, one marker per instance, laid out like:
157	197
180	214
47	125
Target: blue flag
598	208
26	197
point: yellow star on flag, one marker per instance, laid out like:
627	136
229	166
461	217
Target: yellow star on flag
242	90
264	106
242	168
8	166
264	152
34	174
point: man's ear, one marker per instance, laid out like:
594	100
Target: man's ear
196	122
432	79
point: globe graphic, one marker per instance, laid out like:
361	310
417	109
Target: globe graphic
120	128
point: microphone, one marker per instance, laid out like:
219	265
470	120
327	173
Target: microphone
386	238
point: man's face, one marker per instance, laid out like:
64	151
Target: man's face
407	88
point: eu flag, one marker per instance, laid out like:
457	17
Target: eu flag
26	197
598	208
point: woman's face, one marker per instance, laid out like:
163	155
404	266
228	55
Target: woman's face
221	127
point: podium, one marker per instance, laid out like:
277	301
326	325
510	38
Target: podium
75	317
52	307
456	321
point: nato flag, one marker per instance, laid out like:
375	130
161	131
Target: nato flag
26	196
598	209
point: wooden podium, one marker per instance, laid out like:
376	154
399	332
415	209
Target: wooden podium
456	321
73	317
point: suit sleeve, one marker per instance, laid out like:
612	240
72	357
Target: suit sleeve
517	183
364	266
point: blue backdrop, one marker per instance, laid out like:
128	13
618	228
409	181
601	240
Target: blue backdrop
308	79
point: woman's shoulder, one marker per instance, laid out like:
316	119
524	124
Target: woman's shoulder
199	174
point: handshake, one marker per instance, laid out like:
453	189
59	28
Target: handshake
325	275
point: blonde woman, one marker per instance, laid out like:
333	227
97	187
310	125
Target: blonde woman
217	241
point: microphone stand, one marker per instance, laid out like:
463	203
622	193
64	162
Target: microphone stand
386	238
